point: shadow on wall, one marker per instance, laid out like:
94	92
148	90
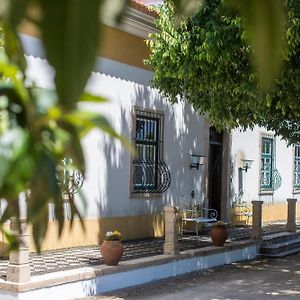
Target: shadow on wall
108	163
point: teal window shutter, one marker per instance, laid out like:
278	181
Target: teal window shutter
267	164
297	167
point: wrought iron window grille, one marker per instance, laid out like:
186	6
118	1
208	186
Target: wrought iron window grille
69	178
150	173
297	167
270	178
151	177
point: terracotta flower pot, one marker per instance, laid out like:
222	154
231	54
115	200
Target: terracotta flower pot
111	252
218	235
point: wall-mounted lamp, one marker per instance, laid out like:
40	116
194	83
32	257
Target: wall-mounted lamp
246	164
196	161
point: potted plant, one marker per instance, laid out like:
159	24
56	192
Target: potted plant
219	233
112	249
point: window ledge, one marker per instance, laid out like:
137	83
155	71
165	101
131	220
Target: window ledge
146	195
266	193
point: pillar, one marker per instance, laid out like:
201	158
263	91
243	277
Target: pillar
18	269
171	246
256	232
291	215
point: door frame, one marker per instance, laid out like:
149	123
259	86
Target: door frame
224	214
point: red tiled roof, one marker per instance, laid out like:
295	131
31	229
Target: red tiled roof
142	7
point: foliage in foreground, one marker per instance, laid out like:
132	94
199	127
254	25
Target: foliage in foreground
206	60
38	130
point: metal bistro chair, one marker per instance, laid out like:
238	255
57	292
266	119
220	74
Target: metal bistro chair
242	211
198	216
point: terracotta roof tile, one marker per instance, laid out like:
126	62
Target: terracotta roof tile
142	7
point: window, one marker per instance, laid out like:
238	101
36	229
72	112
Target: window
150	174
297	167
267	164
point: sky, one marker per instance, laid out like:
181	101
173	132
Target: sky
151	2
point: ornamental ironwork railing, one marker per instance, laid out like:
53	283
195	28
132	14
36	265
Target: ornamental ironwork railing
273	181
270	178
297	167
69	179
150	177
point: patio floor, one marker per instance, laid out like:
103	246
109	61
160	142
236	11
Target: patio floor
70	258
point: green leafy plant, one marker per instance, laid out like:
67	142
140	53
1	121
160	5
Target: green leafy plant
219	224
38	129
207	60
113	236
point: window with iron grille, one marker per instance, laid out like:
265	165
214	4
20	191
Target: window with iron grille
150	173
297	167
267	164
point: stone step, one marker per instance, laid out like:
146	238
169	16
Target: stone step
280	245
280	237
281	254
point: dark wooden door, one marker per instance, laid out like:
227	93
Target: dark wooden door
215	169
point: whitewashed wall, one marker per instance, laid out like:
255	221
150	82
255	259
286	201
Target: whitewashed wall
106	184
108	163
246	144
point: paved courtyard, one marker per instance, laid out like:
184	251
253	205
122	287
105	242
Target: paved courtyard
64	259
265	279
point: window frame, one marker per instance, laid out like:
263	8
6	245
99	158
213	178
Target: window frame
141	112
296	173
267	189
146	147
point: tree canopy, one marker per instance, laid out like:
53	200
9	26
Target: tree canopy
206	60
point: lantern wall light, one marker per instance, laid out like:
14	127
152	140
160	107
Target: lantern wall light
246	164
196	161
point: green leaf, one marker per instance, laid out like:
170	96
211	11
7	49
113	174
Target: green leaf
70	36
265	24
208	61
87	97
12	240
12	144
187	7
72	146
16	11
10	72
16	105
86	121
13	16
75	212
11	210
13	47
43	187
46	99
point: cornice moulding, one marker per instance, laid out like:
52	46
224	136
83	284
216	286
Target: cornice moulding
135	22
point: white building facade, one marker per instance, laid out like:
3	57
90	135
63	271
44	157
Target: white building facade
273	176
128	193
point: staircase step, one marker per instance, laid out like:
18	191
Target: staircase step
272	249
280	237
280	254
280	244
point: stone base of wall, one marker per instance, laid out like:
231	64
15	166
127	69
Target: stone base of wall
277	212
270	213
131	227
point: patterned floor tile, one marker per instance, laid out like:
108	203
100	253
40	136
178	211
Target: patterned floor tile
63	259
